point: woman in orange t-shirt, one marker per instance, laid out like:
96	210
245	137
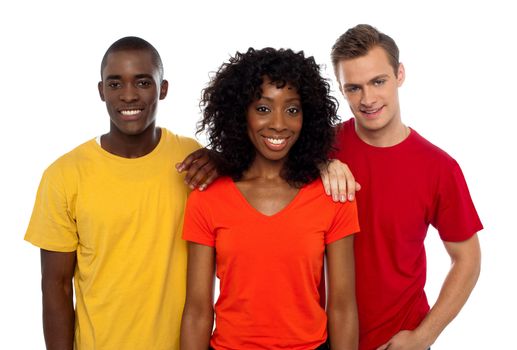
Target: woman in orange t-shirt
265	226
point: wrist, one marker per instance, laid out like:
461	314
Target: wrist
427	336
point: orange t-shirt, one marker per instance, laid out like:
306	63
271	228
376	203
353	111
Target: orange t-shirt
270	267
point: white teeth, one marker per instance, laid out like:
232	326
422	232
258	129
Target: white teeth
371	111
130	112
275	141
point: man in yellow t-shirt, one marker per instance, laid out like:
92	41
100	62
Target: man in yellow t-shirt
108	216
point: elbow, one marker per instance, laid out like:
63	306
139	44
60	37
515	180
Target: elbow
52	287
197	321
196	314
344	315
476	263
467	258
468	265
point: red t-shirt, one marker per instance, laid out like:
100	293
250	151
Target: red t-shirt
404	189
270	267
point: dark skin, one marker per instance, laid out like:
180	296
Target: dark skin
200	168
276	116
338	180
274	123
57	271
131	86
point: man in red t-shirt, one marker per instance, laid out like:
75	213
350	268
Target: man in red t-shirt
407	184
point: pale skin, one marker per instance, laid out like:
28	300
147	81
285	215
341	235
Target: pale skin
339	182
370	85
276	115
461	279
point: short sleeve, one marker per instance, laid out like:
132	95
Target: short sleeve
455	216
344	223
197	225
52	225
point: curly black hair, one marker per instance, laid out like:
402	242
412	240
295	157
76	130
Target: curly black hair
237	84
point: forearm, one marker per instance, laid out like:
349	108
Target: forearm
343	327
198	314
196	329
58	316
455	291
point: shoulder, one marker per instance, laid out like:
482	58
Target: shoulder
70	160
220	190
185	144
344	140
315	187
343	128
314	193
340	219
439	156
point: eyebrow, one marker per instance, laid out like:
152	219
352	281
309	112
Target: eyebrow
377	77
288	100
381	76
138	76
113	77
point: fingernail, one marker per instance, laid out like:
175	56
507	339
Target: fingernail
342	198
351	197
334	198
202	187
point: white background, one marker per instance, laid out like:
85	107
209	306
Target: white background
459	93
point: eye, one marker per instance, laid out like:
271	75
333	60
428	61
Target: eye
351	89
262	109
144	83
293	110
113	84
379	82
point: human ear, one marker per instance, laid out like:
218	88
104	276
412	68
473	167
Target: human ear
401	75
101	92
164	87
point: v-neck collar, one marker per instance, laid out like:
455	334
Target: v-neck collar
257	212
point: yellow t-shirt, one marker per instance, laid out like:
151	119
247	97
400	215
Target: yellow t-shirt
124	219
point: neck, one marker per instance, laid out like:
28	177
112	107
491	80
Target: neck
264	170
388	136
131	146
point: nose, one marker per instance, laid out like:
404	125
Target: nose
277	121
368	97
128	93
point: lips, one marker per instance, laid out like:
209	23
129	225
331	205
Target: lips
130	113
371	112
275	143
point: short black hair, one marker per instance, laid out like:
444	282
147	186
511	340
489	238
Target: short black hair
135	43
237	84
